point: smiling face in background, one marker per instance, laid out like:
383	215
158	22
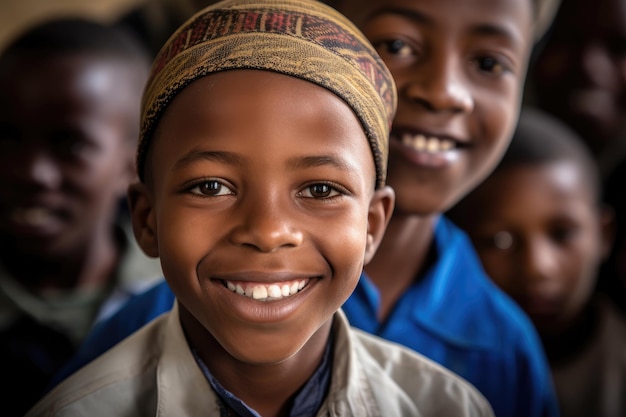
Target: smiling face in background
459	77
66	147
537	230
261	198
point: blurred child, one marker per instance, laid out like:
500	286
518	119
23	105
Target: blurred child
459	78
68	124
154	21
262	160
541	234
580	75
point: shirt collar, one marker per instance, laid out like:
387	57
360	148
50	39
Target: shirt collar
306	403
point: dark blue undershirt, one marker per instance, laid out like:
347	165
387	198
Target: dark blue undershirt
305	404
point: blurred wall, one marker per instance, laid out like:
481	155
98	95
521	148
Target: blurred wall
15	14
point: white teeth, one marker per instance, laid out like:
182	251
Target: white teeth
274	291
32	216
285	290
258	292
431	144
267	292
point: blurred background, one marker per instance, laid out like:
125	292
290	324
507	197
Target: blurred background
15	14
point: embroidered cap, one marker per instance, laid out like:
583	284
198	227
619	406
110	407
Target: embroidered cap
304	39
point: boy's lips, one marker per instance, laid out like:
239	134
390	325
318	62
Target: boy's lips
37	219
540	306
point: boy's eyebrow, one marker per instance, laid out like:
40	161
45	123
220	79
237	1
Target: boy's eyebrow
417	17
320	160
234	159
205	155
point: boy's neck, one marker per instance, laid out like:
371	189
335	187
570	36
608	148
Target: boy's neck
267	389
401	258
90	265
563	347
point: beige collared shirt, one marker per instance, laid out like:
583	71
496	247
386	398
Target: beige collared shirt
153	373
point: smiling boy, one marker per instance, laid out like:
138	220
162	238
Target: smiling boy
262	161
459	78
459	67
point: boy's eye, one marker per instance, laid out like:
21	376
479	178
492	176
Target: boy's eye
490	65
71	143
564	234
211	188
500	241
503	240
319	190
395	47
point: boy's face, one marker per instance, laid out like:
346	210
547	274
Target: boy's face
459	67
260	184
65	153
538	231
580	74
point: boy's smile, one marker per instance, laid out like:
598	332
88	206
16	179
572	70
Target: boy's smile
459	68
258	201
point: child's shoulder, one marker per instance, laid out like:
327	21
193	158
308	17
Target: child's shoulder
401	379
116	377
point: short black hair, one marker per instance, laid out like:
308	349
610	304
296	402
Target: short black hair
77	35
541	139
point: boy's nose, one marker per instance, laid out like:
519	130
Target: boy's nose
440	87
539	262
595	64
266	226
37	167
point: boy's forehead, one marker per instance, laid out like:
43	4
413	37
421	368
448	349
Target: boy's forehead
540	11
224	115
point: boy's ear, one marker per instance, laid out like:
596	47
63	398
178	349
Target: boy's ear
380	210
607	230
128	171
140	201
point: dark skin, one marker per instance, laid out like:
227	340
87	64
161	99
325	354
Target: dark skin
541	239
237	201
459	78
66	158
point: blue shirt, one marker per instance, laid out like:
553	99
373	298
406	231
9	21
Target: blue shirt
454	315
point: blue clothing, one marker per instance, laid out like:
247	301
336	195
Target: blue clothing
454	315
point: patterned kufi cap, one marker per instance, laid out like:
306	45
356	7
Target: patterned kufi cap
304	39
